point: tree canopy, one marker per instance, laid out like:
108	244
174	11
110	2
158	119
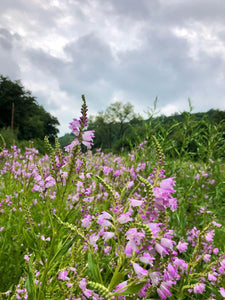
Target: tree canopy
20	111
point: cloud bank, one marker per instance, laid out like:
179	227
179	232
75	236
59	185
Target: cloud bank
115	51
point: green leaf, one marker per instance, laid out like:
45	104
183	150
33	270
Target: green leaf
116	279
63	250
94	268
29	283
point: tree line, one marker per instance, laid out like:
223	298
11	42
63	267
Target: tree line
118	128
21	117
196	136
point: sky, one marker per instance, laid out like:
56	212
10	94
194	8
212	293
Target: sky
115	50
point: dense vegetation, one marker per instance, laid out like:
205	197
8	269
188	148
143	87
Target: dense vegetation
195	136
21	117
86	225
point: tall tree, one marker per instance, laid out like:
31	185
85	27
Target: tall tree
20	110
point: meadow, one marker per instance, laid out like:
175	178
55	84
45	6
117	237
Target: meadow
138	225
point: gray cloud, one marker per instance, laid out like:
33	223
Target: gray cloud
8	64
123	50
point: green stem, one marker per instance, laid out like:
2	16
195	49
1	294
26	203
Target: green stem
43	278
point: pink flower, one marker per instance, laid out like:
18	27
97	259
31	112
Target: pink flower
108	235
216	224
182	246
215	251
87	136
161	250
163	291
124	218
139	270
93	239
63	275
209	236
147	259
86	221
155	278
206	257
211	277
199	288
167	243
102	220
222	292
27	257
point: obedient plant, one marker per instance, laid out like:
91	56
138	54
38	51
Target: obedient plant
99	226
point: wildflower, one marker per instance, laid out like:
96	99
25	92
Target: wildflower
161	250
139	270
135	239
102	220
211	277
167	243
86	136
63	275
216	224
27	257
86	221
209	236
147	259
82	285
215	251
199	288
124	218
163	291
108	235
206	257
93	239
182	246
222	292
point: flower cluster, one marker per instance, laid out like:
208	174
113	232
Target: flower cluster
99	226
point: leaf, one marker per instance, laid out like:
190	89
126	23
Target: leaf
29	283
116	279
94	268
62	251
133	289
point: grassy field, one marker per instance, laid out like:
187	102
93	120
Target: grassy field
103	226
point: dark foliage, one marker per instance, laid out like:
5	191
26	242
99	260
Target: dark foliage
20	111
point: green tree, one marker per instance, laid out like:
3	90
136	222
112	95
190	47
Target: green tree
20	111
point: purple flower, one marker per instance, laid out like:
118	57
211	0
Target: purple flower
87	136
102	220
160	249
155	278
209	236
222	292
139	270
206	257
93	239
63	275
86	221
167	243
182	246
124	218
147	259
216	224
199	288
211	277
163	291
215	251
108	235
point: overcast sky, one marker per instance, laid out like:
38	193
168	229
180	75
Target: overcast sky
115	50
